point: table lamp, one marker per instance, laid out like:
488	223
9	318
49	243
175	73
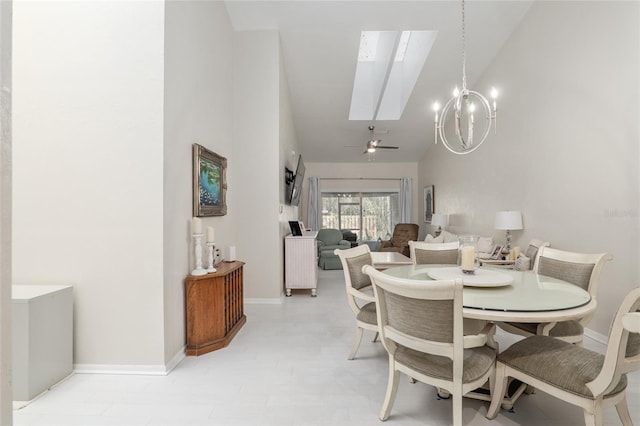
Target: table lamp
440	220
510	220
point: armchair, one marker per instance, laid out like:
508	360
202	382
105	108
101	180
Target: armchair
329	240
421	328
402	234
359	292
580	269
577	375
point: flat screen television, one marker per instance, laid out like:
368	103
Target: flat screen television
294	187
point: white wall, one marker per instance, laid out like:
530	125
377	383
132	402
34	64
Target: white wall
288	153
566	153
88	162
366	170
256	172
6	394
99	218
197	109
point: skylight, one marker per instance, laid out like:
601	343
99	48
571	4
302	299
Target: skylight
382	86
368	46
402	46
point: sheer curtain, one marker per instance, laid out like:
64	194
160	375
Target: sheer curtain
314	214
405	200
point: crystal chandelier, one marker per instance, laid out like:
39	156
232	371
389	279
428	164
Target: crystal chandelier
464	104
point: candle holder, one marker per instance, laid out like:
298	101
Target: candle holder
197	241
210	247
468	254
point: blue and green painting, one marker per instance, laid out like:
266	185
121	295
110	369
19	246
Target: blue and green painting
209	183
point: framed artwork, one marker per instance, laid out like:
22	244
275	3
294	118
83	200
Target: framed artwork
497	252
209	183
428	203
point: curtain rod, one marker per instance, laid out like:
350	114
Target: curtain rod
360	178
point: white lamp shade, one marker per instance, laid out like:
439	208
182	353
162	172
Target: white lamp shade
509	220
439	219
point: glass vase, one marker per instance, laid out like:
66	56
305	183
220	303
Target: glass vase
468	253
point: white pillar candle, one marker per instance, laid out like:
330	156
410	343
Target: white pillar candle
231	253
196	225
210	234
516	253
467	258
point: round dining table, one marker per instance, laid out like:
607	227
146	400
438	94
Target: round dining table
500	295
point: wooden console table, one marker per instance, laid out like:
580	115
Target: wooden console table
214	308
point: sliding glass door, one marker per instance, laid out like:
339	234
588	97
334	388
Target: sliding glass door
369	215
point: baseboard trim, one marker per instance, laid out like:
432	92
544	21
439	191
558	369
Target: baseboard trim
123	369
594	335
263	301
177	358
144	370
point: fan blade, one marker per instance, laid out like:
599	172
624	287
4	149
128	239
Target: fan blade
386	147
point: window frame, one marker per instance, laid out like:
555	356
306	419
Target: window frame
393	195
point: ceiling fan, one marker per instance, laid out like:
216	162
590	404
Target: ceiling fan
374	144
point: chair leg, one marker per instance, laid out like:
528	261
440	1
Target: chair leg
392	389
375	337
497	393
492	382
356	344
623	412
443	393
457	409
593	417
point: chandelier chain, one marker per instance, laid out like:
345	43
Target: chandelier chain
464	55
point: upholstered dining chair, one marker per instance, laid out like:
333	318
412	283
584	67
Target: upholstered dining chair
422	331
423	253
402	234
580	269
427	253
530	253
357	283
575	374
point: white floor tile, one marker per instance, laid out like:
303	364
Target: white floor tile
287	367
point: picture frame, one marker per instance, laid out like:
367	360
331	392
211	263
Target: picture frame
209	183
428	203
497	251
296	228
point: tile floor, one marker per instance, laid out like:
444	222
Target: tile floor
287	366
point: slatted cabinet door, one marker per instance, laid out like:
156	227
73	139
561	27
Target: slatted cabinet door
214	308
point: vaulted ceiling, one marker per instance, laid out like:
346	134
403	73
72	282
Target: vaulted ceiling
320	41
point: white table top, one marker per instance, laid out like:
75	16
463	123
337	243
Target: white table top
388	259
531	297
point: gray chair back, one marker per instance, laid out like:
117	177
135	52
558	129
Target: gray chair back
423	253
581	269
